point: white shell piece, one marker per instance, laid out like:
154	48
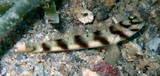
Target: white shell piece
85	16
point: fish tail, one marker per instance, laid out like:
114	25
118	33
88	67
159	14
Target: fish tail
113	54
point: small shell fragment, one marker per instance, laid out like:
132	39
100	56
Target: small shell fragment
115	20
88	72
84	15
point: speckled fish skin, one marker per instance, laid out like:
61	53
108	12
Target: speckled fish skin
110	36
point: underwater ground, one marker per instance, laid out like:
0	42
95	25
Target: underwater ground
57	19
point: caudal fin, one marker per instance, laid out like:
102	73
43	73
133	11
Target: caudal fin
113	54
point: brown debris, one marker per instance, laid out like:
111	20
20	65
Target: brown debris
148	65
131	51
152	14
108	3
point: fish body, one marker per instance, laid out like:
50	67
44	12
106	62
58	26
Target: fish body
104	37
